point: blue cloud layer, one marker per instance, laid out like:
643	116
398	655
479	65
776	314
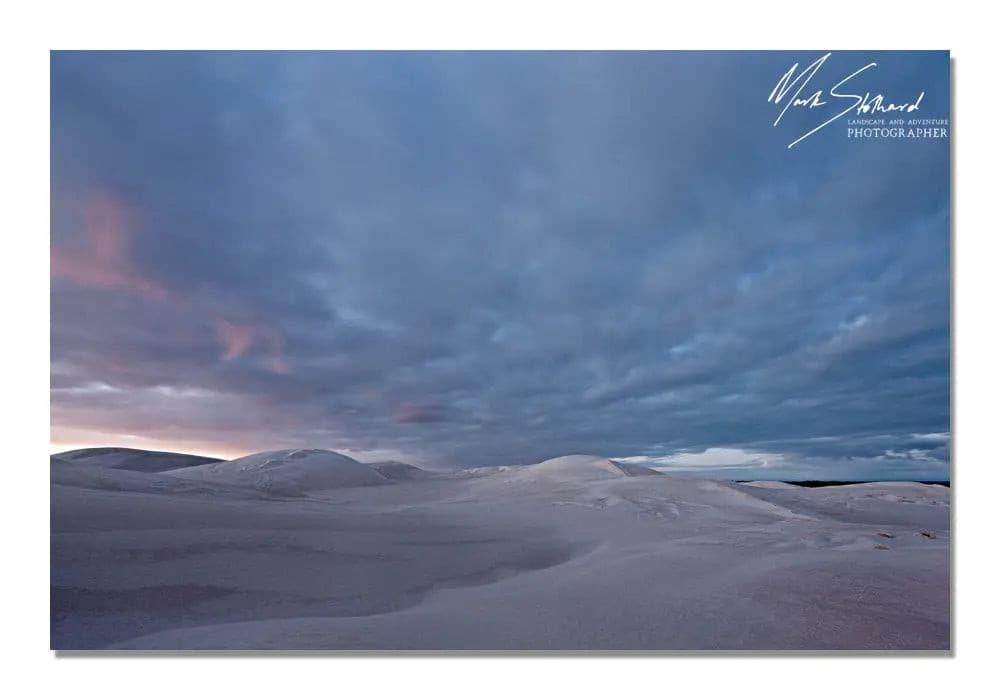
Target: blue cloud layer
491	258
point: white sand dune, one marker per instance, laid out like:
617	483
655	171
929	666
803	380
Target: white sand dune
287	472
132	459
571	553
572	468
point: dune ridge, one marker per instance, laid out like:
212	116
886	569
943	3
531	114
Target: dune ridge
310	549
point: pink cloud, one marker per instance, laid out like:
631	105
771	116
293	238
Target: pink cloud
237	339
103	262
278	365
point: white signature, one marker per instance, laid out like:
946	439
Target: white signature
864	104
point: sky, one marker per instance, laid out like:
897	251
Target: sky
466	259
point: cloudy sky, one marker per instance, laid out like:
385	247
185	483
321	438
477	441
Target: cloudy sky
471	259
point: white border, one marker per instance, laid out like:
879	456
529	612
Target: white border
33	671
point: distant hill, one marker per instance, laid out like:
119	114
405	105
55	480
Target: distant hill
148	461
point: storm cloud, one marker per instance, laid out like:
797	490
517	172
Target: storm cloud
483	258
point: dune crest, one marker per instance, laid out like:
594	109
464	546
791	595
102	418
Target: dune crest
287	472
569	468
587	467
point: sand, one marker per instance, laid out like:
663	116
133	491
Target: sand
571	554
287	472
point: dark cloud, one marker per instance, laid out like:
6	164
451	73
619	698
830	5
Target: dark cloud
488	258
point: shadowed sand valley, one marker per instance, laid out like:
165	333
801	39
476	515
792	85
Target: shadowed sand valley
309	549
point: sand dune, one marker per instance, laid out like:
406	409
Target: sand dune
111	479
571	553
131	459
287	472
571	468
